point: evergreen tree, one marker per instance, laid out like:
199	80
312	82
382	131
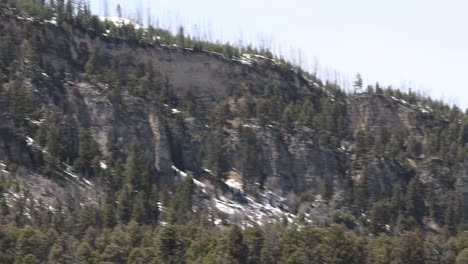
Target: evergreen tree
415	205
249	160
90	65
124	206
231	247
169	246
358	83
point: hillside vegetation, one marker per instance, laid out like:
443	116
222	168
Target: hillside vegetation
125	144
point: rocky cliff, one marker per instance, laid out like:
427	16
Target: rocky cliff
295	161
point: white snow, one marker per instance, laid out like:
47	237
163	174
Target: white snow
243	61
35	122
71	174
207	170
399	100
224	207
234	184
53	21
29	141
199	183
87	182
120	21
268	208
181	173
102	165
175	111
161	207
250	126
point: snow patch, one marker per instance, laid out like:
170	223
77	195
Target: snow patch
87	182
29	141
181	173
103	165
224	207
120	22
234	184
71	174
52	21
217	221
199	183
35	122
175	111
207	170
250	126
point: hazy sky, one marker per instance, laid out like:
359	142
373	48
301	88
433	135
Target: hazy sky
421	44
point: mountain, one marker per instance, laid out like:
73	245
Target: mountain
124	144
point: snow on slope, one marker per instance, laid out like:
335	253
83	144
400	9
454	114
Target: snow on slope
236	205
120	21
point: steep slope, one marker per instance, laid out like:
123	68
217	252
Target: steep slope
85	114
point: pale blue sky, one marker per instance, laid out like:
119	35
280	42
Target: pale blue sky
417	43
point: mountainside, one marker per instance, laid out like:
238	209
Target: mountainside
99	118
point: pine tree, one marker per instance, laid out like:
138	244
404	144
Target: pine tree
139	211
327	188
415	205
231	247
181	37
90	65
85	254
254	239
124	206
357	83
59	252
462	258
216	156
108	211
119	10
169	246
249	160
28	259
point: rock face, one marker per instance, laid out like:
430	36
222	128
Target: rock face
378	111
209	76
289	164
462	189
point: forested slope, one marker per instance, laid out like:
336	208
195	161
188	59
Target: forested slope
120	144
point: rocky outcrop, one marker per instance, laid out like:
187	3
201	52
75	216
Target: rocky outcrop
289	163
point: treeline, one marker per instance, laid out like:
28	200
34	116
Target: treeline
78	14
29	234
